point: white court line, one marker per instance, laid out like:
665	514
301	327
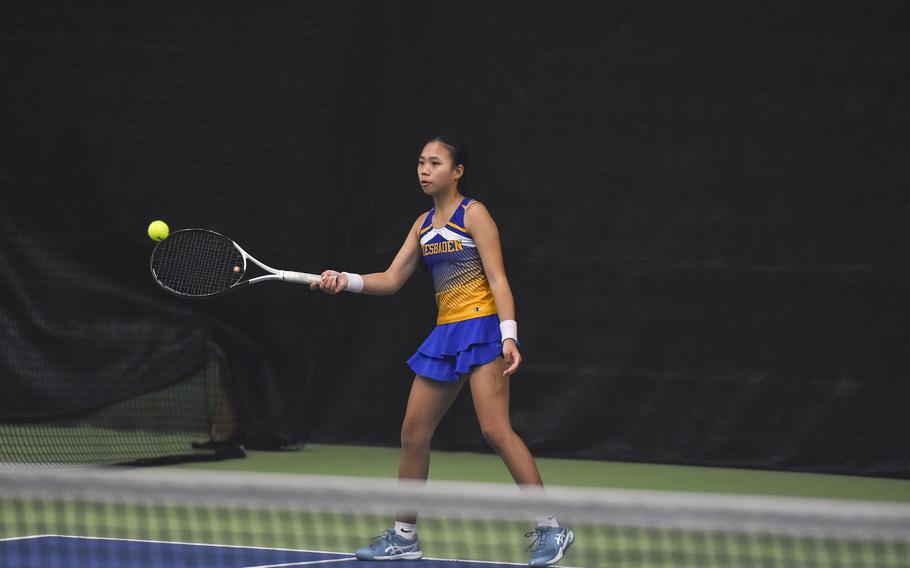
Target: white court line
310	562
185	543
25	537
490	562
306	563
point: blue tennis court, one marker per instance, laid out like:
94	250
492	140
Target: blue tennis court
55	551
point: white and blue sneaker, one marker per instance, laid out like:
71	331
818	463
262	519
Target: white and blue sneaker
549	545
390	546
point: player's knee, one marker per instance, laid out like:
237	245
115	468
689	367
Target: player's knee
414	436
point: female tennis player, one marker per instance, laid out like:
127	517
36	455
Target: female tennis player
475	341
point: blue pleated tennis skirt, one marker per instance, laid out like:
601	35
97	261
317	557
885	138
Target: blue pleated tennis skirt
452	349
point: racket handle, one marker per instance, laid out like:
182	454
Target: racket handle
298	277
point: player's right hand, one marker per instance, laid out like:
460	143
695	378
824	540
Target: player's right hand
332	282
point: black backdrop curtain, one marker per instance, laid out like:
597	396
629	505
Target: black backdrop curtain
703	209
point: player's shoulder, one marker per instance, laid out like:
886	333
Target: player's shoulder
420	221
477	216
474	209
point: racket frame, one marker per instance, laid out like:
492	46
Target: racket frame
274	273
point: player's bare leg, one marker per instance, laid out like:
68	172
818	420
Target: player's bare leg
490	391
427	404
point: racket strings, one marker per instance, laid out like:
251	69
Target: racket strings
197	263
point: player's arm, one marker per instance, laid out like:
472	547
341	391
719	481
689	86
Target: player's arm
480	224
381	283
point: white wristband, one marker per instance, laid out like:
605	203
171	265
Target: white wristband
355	282
509	330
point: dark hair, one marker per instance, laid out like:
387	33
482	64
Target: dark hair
457	151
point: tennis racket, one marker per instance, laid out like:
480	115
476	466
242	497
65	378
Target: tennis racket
198	263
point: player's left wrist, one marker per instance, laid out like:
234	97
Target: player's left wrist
508	329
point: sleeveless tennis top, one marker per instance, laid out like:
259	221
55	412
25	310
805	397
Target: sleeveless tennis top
462	289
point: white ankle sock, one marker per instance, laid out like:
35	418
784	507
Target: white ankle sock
547	521
406	530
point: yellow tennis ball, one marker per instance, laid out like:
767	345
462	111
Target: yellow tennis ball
158	230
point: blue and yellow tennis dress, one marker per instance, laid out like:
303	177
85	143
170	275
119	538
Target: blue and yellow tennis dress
467	328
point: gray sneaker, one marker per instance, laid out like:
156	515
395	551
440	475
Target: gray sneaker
549	545
390	546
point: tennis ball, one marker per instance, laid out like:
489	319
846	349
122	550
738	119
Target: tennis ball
158	230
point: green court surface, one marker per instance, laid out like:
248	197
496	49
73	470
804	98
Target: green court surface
321	459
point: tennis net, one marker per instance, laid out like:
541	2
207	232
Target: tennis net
173	423
181	518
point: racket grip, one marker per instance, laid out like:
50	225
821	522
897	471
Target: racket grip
298	277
